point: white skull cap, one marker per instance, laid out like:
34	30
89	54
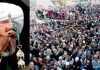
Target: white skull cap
60	57
48	57
77	58
67	63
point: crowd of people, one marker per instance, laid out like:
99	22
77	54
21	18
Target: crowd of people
67	45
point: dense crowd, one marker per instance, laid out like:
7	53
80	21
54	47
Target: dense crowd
67	45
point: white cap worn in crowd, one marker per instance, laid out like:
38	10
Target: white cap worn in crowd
17	18
67	63
77	58
60	57
16	13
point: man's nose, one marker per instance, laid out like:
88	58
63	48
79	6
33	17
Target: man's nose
12	33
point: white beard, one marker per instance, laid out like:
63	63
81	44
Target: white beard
10	52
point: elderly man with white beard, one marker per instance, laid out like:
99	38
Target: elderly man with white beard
11	24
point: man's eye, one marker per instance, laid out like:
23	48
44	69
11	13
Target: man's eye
0	35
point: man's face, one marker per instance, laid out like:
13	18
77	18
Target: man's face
31	64
7	36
